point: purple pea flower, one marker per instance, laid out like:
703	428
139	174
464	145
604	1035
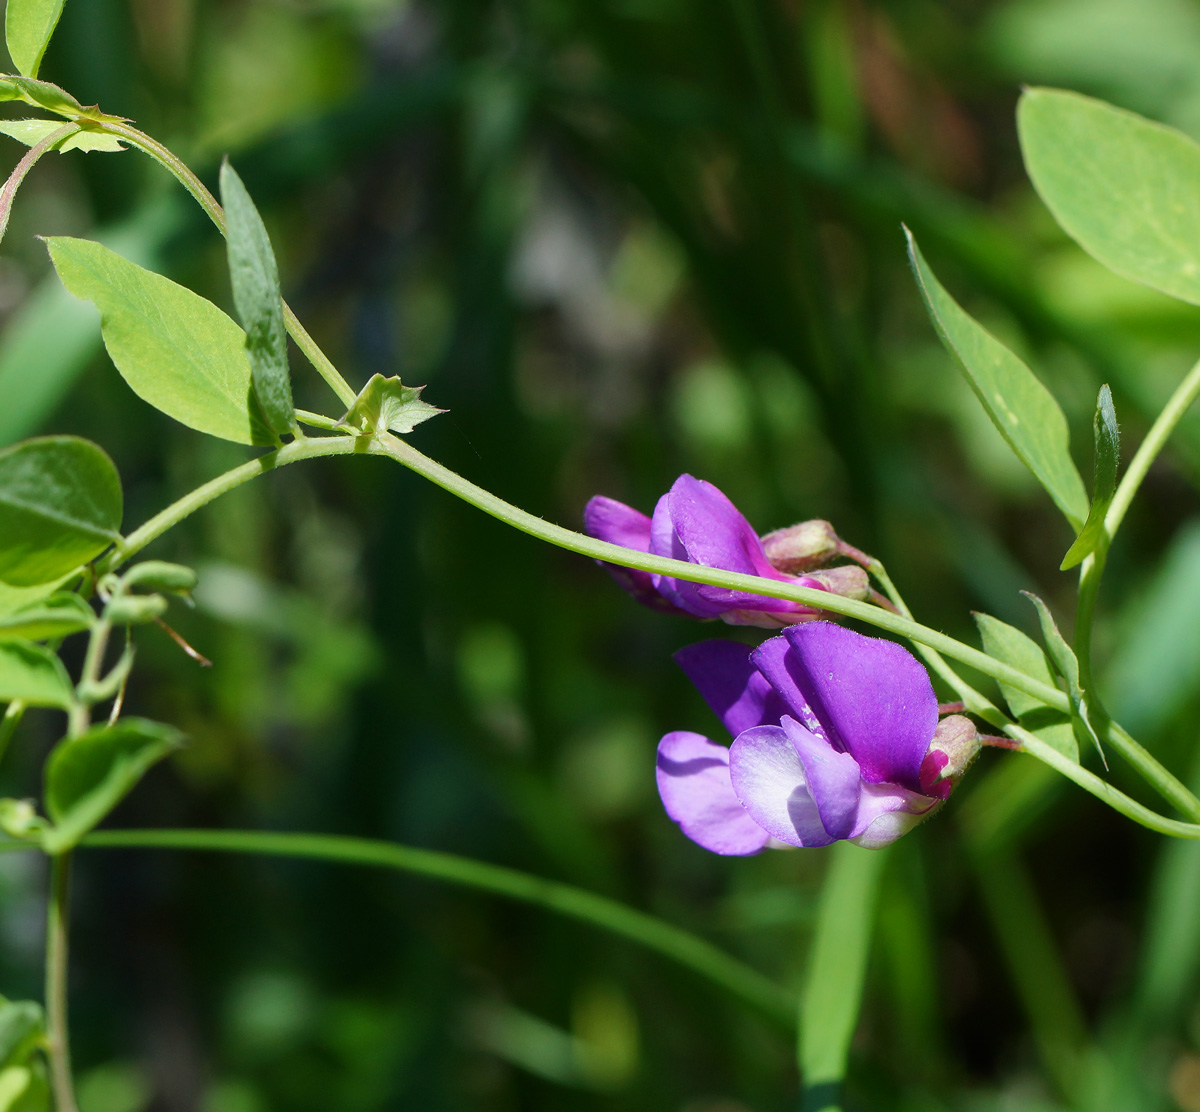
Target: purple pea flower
695	522
836	736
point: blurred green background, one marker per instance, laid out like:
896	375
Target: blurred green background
620	239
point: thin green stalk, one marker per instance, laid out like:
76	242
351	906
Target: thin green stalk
701	957
1172	789
8	191
184	175
1164	424
57	925
404	453
307	448
1102	789
387	445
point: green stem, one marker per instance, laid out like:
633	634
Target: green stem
1164	424
1102	789
184	175
57	925
575	903
8	192
308	448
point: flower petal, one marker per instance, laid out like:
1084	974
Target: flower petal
833	779
768	778
885	812
873	698
738	693
776	661
607	519
695	522
693	781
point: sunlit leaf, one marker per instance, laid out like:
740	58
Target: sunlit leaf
28	25
87	776
255	280
23	1089
1019	405
1123	187
176	350
42	94
1108	457
34	675
386	403
57	616
30	132
60	505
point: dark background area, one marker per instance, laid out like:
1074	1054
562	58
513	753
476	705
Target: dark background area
619	239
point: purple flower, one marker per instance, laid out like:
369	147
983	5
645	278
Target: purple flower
836	735
695	522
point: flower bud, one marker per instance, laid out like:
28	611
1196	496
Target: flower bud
801	547
158	575
954	746
849	581
18	819
135	609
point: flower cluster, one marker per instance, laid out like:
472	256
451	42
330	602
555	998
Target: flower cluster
835	735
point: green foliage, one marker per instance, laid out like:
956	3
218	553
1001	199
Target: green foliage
56	616
1010	645
255	279
1108	458
28	26
21	1026
832	995
30	132
386	403
60	505
23	1089
87	776
42	94
1121	186
1066	663
1022	408
34	675
176	350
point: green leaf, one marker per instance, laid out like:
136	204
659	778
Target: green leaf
1019	405
386	403
57	616
1108	457
60	505
255	280
34	675
23	1089
1067	665
87	776
837	966
28	25
30	132
176	350
44	94
1011	646
21	1025
1123	187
